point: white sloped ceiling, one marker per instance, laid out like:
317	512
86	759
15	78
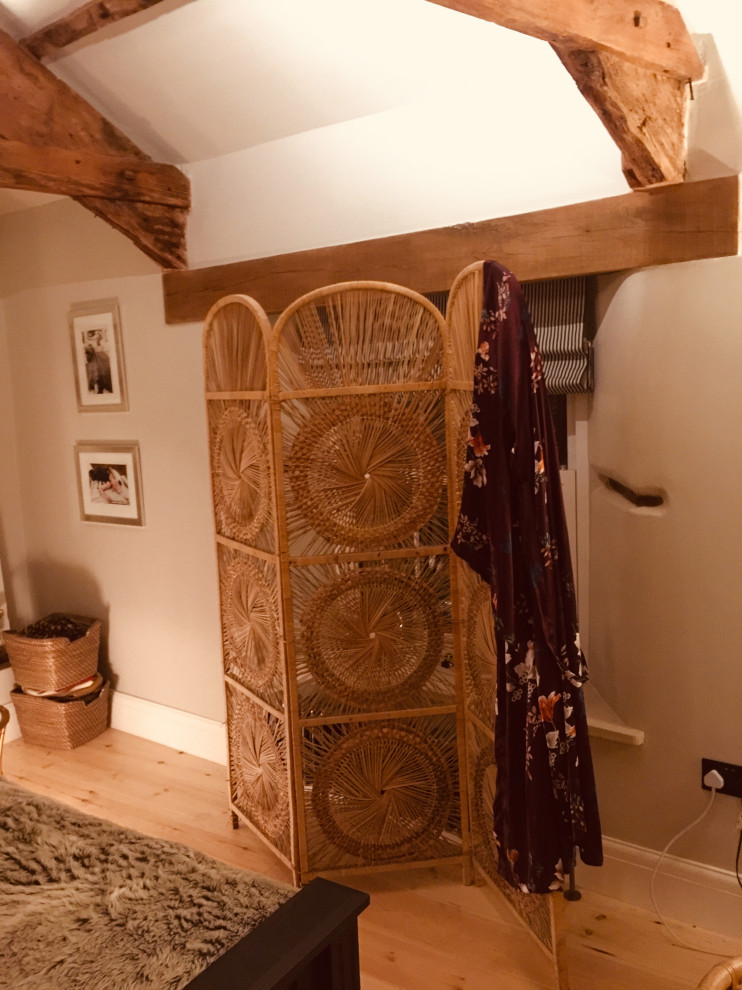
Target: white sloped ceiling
192	80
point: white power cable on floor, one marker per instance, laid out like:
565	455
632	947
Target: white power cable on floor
714	780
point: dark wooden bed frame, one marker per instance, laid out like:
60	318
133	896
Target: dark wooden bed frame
309	943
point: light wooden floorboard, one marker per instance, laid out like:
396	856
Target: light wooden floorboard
423	930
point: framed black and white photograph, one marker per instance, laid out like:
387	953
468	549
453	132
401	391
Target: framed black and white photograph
109	482
97	355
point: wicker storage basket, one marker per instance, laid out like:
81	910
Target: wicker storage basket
56	663
61	724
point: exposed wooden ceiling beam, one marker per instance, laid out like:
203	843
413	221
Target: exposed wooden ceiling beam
643	111
157	230
631	61
85	173
37	108
669	223
649	32
81	22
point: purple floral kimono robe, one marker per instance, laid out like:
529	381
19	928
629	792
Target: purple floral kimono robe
512	532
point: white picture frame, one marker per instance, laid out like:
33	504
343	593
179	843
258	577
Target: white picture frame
98	356
109	482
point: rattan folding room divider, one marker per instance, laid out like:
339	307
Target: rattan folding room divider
358	652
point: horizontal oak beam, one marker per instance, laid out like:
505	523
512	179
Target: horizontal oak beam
86	173
80	23
663	224
649	32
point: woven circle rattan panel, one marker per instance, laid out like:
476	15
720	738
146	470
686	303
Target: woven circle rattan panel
234	345
330	439
241	475
251	626
463	313
535	911
258	769
484	781
373	636
359	334
384	791
480	651
460	413
369	470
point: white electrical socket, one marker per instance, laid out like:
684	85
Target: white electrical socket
713	779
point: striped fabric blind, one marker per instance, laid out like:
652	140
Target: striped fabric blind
558	309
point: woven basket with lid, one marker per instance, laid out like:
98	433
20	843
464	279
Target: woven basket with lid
53	663
59	724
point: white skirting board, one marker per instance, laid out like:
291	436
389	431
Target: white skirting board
180	730
694	893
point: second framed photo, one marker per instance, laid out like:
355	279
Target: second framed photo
109	482
98	356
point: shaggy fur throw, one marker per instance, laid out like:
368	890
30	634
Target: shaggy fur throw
87	905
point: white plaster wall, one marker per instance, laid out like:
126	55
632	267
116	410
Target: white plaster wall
155	586
666	584
61	243
12	541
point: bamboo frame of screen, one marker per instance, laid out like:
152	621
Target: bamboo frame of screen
357	385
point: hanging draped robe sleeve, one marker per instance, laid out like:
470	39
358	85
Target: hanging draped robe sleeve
512	531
